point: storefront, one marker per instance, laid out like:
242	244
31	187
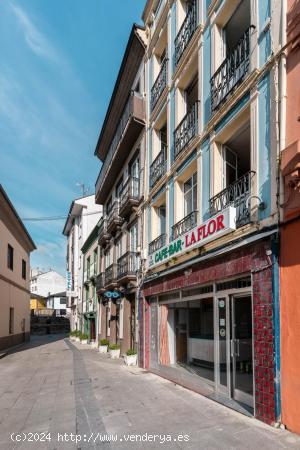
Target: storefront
90	325
210	327
117	320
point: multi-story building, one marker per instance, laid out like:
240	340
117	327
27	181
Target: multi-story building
15	248
209	314
45	283
90	308
290	229
83	216
58	302
119	188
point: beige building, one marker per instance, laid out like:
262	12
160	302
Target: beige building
15	247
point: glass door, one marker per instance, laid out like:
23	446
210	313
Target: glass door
222	343
241	349
233	345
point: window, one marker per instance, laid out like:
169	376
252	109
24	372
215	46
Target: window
133	238
11	320
119	188
162	219
119	251
10	257
190	195
95	261
134	167
109	206
62	301
23	269
88	266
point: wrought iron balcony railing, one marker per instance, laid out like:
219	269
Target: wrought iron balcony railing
186	32
110	274
235	195
113	212
184	225
186	130
131	190
231	72
159	84
127	265
157	243
100	281
103	234
159	166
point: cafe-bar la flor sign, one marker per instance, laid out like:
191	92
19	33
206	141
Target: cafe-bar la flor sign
217	226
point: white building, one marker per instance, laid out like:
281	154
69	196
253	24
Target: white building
83	216
46	283
58	302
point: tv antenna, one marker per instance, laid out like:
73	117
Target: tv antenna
84	188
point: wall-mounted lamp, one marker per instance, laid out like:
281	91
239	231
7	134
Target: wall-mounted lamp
262	205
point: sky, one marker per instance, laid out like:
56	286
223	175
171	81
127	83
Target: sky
59	60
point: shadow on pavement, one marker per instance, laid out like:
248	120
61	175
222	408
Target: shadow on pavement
35	341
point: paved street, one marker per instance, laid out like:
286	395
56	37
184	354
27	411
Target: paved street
56	387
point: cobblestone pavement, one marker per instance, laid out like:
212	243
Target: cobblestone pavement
52	390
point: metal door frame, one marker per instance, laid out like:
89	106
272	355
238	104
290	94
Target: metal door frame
230	390
237	394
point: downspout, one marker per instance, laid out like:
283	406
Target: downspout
276	245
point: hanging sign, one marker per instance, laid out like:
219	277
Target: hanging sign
112	294
216	226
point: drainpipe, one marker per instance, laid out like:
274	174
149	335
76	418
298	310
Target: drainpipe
276	245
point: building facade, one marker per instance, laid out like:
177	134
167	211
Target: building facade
83	216
45	283
290	229
37	302
119	187
209	305
15	248
58	303
90	307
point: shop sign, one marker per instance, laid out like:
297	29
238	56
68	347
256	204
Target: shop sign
69	281
216	226
112	294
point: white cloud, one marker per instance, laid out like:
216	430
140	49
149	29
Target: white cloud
37	42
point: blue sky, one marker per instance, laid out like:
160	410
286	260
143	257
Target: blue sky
58	63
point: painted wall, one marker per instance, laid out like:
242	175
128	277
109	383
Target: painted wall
290	232
14	290
290	329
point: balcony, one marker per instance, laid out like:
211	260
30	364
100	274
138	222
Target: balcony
186	130
183	226
103	235
235	195
231	72
111	276
127	132
186	32
159	166
157	243
159	84
113	217
130	196
100	282
127	267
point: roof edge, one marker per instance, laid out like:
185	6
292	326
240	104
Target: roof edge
133	33
17	217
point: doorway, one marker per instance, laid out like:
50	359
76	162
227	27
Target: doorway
181	320
234	343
